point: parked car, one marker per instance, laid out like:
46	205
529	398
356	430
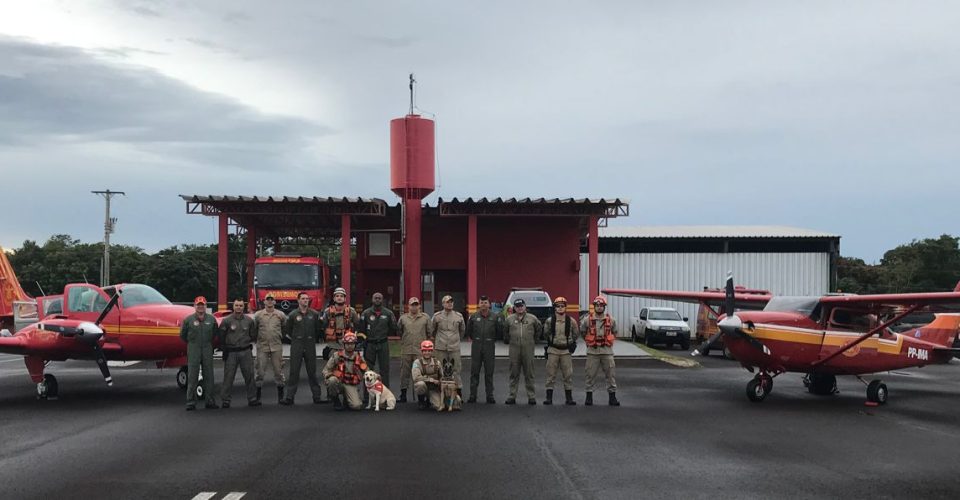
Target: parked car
660	325
538	302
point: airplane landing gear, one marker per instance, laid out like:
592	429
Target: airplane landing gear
48	388
877	392
759	387
821	384
182	381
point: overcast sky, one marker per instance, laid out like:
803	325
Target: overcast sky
835	116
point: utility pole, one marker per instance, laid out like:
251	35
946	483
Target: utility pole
108	225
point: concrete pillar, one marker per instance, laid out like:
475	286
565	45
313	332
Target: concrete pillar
223	248
593	248
472	264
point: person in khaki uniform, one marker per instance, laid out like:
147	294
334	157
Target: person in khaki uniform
343	374
268	323
521	331
414	328
599	331
426	378
198	330
448	328
483	327
561	332
237	335
303	328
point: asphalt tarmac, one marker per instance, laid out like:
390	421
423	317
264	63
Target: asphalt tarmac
681	433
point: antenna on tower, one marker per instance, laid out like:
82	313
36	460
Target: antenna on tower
412	81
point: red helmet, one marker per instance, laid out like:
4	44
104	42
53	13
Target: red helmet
349	338
426	345
600	300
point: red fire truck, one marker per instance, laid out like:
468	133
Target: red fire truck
285	276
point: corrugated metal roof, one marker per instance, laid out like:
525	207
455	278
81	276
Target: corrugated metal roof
541	201
712	232
196	198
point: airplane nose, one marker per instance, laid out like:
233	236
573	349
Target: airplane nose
730	323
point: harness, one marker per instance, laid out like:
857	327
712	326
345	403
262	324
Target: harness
552	332
592	339
354	376
333	332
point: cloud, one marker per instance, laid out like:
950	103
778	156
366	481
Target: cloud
61	94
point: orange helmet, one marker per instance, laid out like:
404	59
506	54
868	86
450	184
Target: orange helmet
560	300
349	338
426	345
600	300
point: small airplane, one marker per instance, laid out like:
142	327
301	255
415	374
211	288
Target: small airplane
123	322
826	336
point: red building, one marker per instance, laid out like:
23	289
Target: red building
464	248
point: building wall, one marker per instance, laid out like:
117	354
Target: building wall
527	252
781	273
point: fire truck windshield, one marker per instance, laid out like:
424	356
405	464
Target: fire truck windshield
287	276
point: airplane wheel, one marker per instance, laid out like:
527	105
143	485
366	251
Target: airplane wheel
757	390
877	392
49	388
182	377
822	384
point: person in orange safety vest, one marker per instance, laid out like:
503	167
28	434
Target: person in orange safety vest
599	331
344	374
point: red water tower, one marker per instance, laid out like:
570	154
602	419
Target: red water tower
412	179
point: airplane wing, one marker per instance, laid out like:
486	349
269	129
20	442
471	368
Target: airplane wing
743	300
941	301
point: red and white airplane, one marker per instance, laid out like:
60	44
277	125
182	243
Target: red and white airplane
117	323
826	336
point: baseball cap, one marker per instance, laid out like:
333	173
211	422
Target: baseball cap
413	300
269	296
519	302
200	300
447	298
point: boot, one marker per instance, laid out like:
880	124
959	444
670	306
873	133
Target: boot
569	395
613	399
589	401
337	403
279	394
549	400
403	396
422	402
259	390
472	398
510	401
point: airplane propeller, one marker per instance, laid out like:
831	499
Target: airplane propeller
730	324
90	334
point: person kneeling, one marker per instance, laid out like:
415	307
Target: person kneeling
344	374
426	378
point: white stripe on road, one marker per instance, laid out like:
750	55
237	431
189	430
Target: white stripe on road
235	495
205	495
11	359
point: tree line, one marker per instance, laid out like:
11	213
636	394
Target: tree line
184	271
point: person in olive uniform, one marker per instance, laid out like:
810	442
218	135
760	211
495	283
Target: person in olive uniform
237	335
414	328
269	325
483	327
521	330
561	332
378	323
448	328
303	328
198	330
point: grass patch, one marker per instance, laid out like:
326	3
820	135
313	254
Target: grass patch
683	362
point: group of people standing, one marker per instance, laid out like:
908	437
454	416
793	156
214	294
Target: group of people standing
359	342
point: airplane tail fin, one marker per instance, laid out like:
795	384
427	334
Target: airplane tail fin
943	330
10	289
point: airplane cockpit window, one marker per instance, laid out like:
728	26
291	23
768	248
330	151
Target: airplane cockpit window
138	295
805	305
85	299
847	319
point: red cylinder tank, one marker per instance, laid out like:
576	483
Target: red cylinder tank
412	156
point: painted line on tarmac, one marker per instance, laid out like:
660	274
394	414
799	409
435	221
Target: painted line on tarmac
207	495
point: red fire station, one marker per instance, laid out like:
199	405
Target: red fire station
459	247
